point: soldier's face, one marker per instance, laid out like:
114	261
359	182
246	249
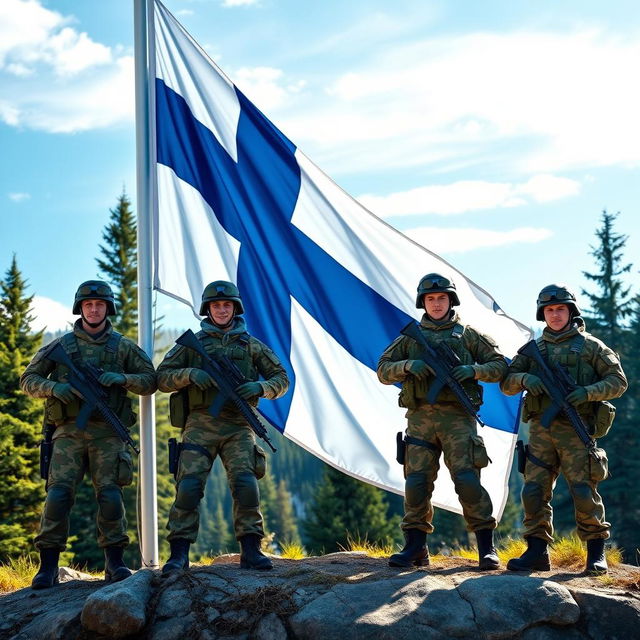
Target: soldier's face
436	305
556	316
94	310
221	311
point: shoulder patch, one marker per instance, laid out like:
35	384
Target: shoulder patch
611	358
172	352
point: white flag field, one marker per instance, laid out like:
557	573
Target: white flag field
325	283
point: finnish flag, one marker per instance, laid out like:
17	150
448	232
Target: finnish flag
325	283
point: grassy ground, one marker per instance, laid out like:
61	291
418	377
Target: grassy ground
567	552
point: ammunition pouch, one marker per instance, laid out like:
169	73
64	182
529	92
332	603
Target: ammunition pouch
125	469
57	413
414	393
46	450
603	414
178	409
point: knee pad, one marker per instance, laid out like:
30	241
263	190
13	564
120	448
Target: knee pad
58	503
532	497
245	490
582	497
110	502
189	494
415	489
467	486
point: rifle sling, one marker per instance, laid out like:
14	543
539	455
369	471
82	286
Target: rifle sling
421	443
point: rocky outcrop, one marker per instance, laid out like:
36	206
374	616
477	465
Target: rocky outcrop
335	597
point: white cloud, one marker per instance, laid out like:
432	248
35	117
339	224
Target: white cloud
443	241
264	86
563	101
48	73
470	195
50	314
19	197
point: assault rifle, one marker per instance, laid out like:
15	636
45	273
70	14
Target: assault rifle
558	384
84	379
442	359
227	377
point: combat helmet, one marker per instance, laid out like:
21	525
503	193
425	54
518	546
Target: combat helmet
220	290
436	283
556	294
95	290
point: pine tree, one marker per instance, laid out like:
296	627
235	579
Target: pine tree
119	264
611	304
285	522
347	509
21	489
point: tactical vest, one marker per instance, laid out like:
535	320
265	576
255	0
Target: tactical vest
577	366
237	350
414	391
110	358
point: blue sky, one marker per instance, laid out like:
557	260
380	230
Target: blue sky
493	133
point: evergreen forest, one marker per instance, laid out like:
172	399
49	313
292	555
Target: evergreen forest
304	501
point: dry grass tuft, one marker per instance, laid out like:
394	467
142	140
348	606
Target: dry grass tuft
292	551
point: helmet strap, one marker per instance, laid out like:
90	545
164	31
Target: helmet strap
222	326
93	325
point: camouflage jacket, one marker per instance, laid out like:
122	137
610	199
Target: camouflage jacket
252	357
472	347
41	375
588	360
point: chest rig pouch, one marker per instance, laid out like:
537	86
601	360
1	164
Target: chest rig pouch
414	391
191	398
578	368
109	358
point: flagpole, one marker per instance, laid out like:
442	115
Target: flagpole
144	86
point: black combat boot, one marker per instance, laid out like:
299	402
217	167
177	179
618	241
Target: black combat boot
596	560
415	550
179	558
487	556
535	558
114	567
251	556
47	574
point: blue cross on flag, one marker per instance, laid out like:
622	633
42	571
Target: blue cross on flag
325	283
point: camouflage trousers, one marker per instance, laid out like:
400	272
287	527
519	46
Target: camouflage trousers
244	463
451	431
562	451
75	452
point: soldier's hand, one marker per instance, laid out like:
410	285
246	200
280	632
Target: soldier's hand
420	369
250	390
64	392
201	379
110	378
577	396
533	385
463	372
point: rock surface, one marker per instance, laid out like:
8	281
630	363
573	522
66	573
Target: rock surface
339	596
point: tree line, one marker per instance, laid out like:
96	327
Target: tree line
304	501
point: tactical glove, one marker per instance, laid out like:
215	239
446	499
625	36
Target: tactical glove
201	379
463	372
533	384
250	390
110	378
577	397
64	392
420	369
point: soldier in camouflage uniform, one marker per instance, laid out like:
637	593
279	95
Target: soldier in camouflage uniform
97	448
443	427
599	377
204	437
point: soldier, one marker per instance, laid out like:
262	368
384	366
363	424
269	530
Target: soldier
96	448
443	427
204	437
599	377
